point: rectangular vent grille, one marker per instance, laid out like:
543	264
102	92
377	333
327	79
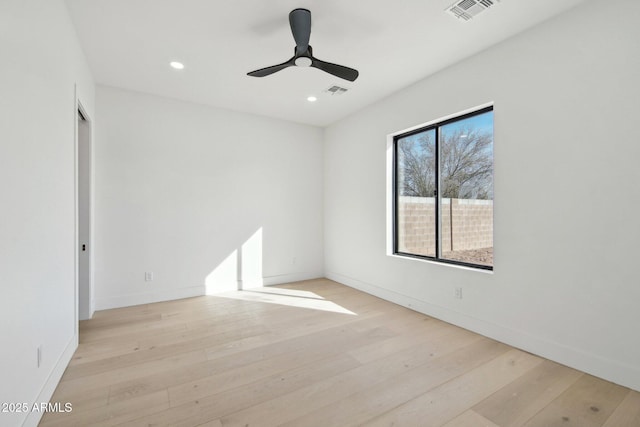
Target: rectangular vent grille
467	9
336	90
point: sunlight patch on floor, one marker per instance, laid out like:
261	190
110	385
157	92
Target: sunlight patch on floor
287	292
288	297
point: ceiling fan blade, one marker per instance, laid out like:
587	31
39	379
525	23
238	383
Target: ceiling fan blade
300	21
262	72
335	69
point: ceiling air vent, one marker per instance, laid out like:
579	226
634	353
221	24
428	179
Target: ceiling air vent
467	9
336	90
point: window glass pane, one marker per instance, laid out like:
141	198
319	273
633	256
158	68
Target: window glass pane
416	183
466	182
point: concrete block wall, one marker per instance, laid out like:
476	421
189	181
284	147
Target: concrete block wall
472	224
416	216
466	224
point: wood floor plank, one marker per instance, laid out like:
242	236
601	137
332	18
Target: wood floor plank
83	386
470	418
447	401
159	374
318	347
315	353
587	403
213	406
91	352
286	331
160	352
218	324
232	311
110	415
384	396
627	414
94	397
516	403
423	330
333	390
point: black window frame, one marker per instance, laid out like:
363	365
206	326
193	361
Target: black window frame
436	127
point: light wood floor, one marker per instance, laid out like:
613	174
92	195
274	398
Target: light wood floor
316	353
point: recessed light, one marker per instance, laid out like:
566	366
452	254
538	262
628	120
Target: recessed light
177	65
312	99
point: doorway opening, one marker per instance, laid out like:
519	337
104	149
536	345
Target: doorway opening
84	215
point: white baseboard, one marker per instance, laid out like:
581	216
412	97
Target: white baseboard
250	284
148	297
33	417
610	370
293	277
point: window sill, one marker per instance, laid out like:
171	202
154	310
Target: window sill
441	263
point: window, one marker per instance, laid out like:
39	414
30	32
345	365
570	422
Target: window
443	191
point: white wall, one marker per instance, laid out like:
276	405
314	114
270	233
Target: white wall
567	198
41	64
180	187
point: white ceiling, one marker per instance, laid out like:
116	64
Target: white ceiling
129	44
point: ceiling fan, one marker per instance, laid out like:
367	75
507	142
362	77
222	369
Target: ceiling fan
300	22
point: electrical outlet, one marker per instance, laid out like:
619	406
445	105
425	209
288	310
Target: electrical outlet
458	293
39	355
148	276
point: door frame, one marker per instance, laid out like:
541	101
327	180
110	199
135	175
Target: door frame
79	108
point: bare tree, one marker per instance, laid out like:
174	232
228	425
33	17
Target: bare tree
416	165
466	164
